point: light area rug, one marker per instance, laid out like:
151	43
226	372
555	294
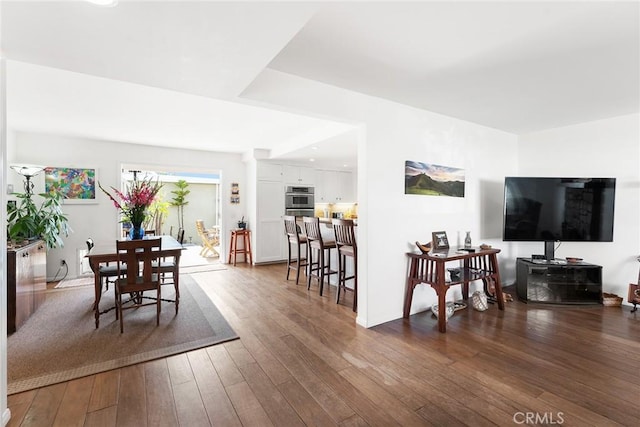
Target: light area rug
60	341
88	280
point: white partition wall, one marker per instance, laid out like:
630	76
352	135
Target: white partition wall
5	413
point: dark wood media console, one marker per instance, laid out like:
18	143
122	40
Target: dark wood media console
558	282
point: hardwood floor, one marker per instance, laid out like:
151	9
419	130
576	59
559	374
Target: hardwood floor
301	360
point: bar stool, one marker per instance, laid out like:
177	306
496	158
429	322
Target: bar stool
245	235
321	266
344	232
295	240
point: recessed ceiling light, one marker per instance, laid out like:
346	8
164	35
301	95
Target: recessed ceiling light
108	3
312	160
314	148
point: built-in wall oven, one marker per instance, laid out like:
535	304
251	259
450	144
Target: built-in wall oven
299	201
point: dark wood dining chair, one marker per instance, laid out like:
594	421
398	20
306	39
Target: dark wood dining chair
141	275
106	271
295	240
345	235
170	272
318	252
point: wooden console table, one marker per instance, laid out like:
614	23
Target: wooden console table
482	264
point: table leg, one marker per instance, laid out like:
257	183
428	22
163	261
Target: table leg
498	283
442	308
441	291
249	247
98	293
408	296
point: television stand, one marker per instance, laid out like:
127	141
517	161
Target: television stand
558	282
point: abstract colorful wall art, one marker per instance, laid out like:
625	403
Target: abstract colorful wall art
78	185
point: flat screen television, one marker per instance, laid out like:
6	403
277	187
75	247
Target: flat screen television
546	209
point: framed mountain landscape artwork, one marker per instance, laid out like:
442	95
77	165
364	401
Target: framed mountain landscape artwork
433	180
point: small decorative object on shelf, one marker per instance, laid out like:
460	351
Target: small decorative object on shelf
439	240
467	240
424	248
242	224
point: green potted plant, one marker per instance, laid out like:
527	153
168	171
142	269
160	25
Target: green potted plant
157	213
180	200
26	221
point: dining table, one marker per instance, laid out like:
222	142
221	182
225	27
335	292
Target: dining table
104	253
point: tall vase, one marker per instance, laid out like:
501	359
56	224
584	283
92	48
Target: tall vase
136	232
467	240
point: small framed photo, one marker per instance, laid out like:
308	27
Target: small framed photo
439	240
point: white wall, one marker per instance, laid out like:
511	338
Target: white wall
99	221
603	148
389	220
5	413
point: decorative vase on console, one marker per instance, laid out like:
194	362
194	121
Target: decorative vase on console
467	240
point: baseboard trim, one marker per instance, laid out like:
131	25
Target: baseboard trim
6	416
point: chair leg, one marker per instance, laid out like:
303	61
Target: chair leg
341	262
158	306
176	285
119	310
355	284
298	265
289	260
322	270
309	266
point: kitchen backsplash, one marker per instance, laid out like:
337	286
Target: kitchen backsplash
326	210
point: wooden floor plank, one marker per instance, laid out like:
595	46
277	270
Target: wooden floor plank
226	369
301	359
305	405
132	399
45	405
105	390
19	404
248	407
75	402
326	397
179	369
106	417
161	408
274	403
189	405
214	397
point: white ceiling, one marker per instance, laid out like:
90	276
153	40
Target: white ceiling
169	73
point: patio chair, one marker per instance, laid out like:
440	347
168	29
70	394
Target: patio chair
210	239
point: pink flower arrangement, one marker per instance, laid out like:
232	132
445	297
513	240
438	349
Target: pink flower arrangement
135	201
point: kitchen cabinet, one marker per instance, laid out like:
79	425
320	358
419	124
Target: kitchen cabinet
334	187
298	175
269	171
26	282
270	239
